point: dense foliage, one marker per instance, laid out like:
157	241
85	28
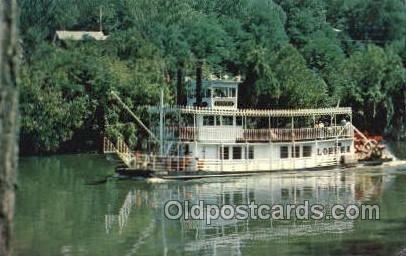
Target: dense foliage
290	53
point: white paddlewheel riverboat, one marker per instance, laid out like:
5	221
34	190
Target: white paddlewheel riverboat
218	138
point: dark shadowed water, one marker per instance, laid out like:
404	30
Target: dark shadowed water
58	214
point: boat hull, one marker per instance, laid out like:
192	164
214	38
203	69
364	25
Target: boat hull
182	175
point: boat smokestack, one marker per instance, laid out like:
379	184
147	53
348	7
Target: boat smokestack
199	71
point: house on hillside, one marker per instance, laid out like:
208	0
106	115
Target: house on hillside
64	35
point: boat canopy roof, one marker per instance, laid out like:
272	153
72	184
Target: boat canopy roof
256	112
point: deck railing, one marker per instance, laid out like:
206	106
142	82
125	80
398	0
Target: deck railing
310	133
120	148
257	135
143	161
165	163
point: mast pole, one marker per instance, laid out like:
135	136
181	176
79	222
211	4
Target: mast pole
133	115
161	124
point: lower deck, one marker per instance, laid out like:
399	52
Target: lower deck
237	157
245	157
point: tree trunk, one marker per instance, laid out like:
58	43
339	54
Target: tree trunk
199	75
8	119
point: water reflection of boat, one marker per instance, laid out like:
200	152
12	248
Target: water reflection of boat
323	187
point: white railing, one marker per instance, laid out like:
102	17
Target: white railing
253	112
108	146
148	161
164	163
310	133
120	148
257	135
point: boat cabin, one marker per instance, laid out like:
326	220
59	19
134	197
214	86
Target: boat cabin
216	93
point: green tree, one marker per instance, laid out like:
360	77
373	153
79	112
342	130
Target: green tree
371	21
305	20
325	57
257	34
209	44
289	54
375	80
53	103
299	86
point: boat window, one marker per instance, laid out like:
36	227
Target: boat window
342	149
218	123
219	93
307	151
250	152
296	151
348	149
238	120
284	152
208	120
227	120
237	152
225	153
232	92
330	151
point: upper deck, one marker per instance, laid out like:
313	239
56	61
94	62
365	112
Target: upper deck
219	119
215	125
223	125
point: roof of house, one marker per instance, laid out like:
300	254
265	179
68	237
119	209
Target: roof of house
80	35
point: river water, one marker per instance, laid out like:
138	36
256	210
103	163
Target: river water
61	210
